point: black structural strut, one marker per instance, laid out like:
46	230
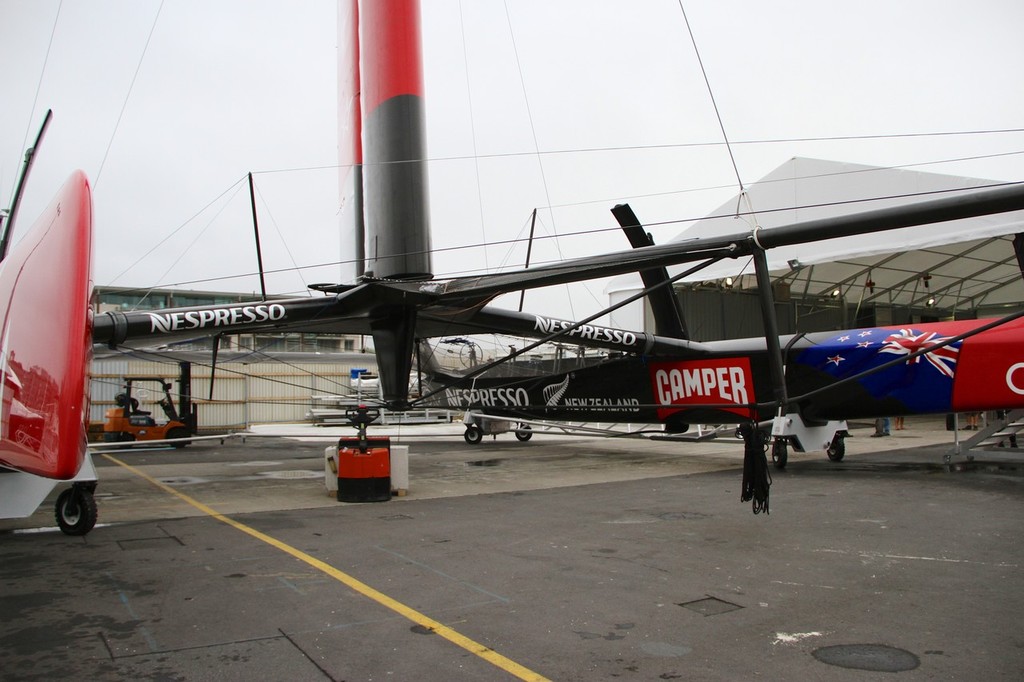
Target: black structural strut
668	318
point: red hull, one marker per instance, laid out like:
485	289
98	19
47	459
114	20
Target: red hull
46	342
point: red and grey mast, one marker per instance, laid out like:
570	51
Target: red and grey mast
381	77
380	68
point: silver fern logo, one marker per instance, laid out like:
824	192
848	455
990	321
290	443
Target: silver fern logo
554	392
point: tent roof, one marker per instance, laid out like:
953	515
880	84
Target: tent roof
962	264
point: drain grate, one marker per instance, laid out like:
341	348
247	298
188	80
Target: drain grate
873	657
710	606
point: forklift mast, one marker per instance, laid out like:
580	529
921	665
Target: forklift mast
187	410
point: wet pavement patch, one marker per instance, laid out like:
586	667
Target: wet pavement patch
485	462
710	606
873	657
291	474
665	650
181	480
681	516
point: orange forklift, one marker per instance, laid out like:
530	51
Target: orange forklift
127	422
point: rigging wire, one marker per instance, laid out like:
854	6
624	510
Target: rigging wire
582	284
194	241
515	241
209	223
707	188
163	358
711	94
472	133
744	196
124	104
536	144
42	74
284	242
698	145
712	188
179	228
599	230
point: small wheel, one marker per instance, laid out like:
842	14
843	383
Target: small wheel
473	434
176	433
76	511
524	432
780	453
837	449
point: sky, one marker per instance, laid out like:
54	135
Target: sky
569	107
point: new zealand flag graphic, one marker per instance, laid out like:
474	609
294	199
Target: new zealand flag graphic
921	384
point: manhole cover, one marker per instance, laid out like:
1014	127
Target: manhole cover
710	606
874	657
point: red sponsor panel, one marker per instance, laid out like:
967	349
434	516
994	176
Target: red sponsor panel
718	381
46	342
990	373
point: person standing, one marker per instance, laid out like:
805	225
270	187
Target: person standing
881	427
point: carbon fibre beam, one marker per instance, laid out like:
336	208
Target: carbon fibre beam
668	318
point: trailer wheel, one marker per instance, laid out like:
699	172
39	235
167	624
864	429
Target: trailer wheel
780	453
837	448
524	432
76	511
473	434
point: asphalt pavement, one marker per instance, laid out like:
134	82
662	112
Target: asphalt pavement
563	558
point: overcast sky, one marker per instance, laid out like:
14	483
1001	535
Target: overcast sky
568	106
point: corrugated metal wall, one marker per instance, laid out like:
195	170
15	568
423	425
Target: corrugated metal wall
713	315
244	393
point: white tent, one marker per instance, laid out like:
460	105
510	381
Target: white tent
957	265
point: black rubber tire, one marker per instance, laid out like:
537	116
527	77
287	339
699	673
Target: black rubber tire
837	449
524	432
780	453
474	434
76	511
178	432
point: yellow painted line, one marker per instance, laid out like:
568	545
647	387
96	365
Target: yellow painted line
362	588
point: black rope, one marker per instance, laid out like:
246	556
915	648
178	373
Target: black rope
756	477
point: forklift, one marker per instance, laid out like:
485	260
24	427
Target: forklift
127	422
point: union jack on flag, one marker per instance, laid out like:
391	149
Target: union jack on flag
909	341
922	384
